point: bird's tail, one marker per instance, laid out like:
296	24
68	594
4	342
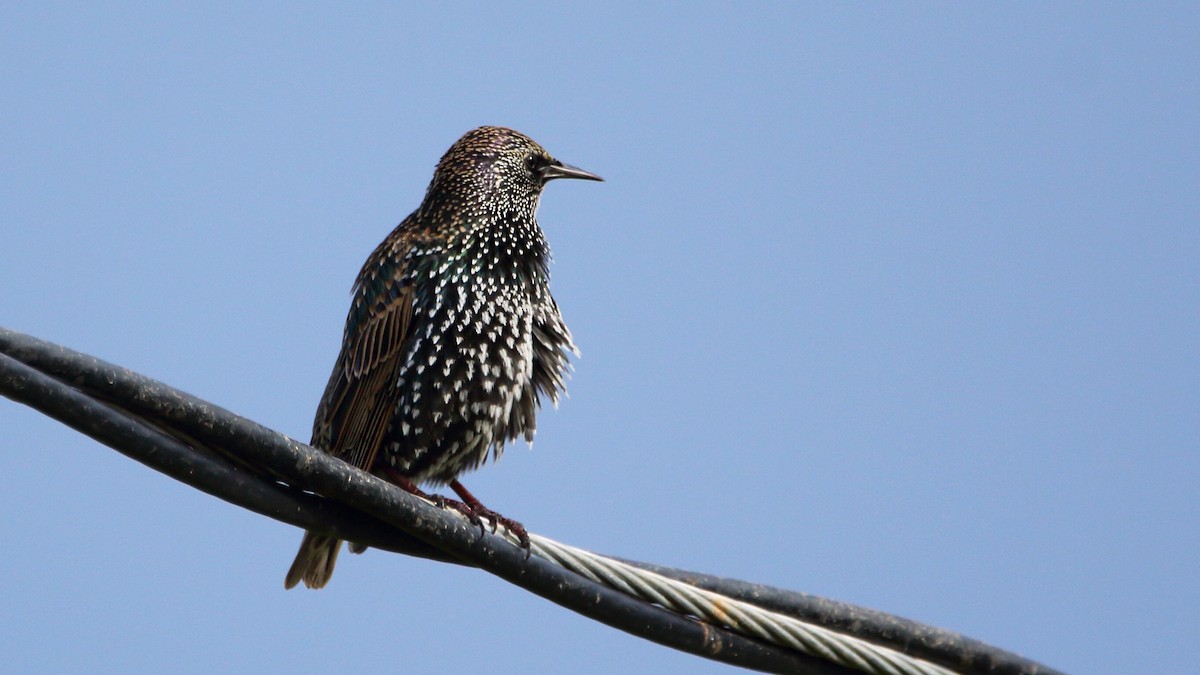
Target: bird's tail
314	561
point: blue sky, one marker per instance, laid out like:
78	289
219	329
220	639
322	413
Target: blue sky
893	304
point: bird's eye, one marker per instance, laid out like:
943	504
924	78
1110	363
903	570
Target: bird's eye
533	163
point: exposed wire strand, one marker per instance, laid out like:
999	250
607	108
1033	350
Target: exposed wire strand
741	616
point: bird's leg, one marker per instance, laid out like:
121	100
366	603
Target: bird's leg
406	484
482	511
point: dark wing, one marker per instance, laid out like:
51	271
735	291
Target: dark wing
360	399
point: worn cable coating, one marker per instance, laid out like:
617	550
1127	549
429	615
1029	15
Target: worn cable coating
243	462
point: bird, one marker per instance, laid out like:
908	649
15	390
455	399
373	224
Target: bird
452	338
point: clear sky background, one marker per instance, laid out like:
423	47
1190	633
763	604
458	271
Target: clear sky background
898	305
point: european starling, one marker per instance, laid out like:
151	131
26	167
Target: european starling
452	336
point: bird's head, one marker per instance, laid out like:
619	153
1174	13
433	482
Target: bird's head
491	162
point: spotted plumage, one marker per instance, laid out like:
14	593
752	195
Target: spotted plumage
453	335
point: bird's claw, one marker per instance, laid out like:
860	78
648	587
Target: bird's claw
469	513
478	513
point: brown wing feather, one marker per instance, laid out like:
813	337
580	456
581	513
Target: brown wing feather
357	406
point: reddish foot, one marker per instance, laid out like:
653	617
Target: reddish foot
482	511
441	502
470	507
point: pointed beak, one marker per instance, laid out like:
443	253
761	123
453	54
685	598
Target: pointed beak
557	169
